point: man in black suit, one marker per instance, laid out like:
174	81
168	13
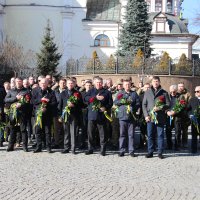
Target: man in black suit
71	121
15	96
2	96
96	118
39	95
193	107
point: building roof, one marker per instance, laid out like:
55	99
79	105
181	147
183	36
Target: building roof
108	10
176	25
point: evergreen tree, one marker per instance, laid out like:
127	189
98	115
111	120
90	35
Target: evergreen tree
136	30
48	58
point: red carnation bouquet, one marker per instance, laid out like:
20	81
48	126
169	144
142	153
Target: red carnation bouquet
67	110
159	104
179	106
39	112
96	105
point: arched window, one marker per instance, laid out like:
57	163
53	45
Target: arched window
158	5
102	41
169	6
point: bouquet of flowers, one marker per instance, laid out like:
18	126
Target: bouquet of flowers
39	113
160	102
96	105
124	101
178	107
67	110
14	111
195	118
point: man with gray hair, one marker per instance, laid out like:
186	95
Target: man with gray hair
173	119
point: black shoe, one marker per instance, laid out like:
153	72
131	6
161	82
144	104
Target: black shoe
34	145
133	155
1	144
65	151
149	155
103	153
177	149
193	151
10	149
160	156
37	151
89	152
121	154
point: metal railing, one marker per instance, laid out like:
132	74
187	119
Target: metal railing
128	65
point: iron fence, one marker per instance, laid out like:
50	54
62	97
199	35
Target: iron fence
129	65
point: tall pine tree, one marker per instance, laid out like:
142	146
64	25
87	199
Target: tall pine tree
48	58
136	29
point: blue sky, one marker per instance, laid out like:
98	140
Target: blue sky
190	9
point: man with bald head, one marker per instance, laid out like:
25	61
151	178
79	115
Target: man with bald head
44	93
194	107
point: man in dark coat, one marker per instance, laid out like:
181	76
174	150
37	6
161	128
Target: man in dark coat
2	117
96	117
44	99
16	96
194	114
70	120
155	115
127	117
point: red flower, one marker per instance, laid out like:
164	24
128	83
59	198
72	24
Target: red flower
77	95
182	102
44	101
27	97
92	99
119	96
161	98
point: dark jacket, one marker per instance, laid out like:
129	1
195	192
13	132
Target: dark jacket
135	105
149	100
193	104
38	94
2	96
11	98
74	111
107	102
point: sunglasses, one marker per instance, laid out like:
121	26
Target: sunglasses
197	91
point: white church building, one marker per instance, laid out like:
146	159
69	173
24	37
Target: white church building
81	27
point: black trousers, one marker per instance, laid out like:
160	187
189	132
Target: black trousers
16	130
44	133
101	126
70	134
194	143
176	124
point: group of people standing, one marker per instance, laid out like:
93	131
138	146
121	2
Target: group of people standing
62	115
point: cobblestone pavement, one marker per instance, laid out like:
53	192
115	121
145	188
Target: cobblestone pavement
57	176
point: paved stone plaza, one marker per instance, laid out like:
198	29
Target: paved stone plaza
57	176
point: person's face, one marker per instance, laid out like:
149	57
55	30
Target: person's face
88	86
25	84
109	83
31	80
98	84
18	83
173	92
181	87
7	86
70	84
82	83
146	87
43	84
140	85
48	77
62	84
126	85
155	83
119	87
197	92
